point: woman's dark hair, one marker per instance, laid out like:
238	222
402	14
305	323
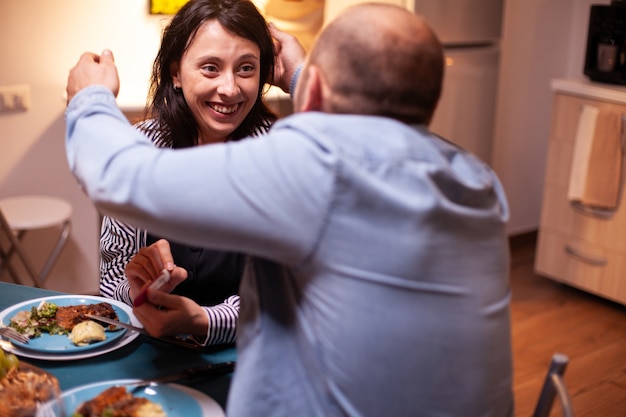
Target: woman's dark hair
241	18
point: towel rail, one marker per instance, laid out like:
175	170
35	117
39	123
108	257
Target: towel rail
592	211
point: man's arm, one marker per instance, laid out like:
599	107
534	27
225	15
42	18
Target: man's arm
93	69
234	196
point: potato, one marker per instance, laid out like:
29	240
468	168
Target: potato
87	332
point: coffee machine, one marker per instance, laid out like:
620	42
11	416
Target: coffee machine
605	58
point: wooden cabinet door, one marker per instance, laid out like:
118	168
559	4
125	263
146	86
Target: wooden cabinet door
576	246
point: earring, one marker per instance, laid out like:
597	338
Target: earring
177	88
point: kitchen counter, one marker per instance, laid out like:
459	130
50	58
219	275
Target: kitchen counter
590	89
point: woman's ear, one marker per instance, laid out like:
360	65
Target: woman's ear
311	95
174	72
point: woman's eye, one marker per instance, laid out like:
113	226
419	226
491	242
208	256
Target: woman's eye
210	68
247	68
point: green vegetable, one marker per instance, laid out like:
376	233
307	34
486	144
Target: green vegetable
8	361
38	320
46	310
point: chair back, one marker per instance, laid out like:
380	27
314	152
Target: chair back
554	386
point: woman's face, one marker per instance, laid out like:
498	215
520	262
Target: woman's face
219	76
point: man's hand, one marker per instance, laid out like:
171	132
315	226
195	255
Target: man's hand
289	56
93	69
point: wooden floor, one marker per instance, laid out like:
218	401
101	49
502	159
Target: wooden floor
547	318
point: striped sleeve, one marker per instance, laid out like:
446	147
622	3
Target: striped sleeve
222	327
119	242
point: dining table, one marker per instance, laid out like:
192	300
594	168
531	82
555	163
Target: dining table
143	358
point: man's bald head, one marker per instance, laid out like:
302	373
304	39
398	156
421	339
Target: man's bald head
380	59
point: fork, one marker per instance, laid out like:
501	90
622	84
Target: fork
11	333
53	407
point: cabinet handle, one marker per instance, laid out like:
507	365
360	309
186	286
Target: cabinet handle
588	259
592	211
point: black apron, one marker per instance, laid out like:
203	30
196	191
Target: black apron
213	275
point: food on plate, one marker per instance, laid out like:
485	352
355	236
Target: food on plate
87	332
53	319
37	320
116	401
70	316
23	386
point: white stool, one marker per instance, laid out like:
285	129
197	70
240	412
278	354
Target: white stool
21	214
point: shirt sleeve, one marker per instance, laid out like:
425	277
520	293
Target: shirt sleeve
119	242
267	198
222	328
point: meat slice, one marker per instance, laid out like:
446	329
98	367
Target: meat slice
118	402
69	316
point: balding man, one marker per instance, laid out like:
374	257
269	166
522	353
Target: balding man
377	282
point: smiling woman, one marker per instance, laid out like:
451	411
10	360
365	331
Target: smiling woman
207	85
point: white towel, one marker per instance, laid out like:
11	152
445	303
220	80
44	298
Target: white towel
595	176
582	149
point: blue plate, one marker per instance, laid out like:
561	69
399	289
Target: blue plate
47	343
176	400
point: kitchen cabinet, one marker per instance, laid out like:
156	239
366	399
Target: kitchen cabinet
578	246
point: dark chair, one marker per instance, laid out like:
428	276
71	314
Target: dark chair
554	386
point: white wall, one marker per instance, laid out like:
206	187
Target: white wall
542	40
40	41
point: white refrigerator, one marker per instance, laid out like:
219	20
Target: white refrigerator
470	31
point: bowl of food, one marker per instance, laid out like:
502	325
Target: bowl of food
132	398
24	387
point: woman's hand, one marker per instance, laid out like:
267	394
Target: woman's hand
289	56
169	315
147	265
164	314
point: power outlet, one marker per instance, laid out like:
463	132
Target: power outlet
14	98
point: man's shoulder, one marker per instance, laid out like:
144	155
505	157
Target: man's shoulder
336	120
346	127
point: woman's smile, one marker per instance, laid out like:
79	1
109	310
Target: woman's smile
223	109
